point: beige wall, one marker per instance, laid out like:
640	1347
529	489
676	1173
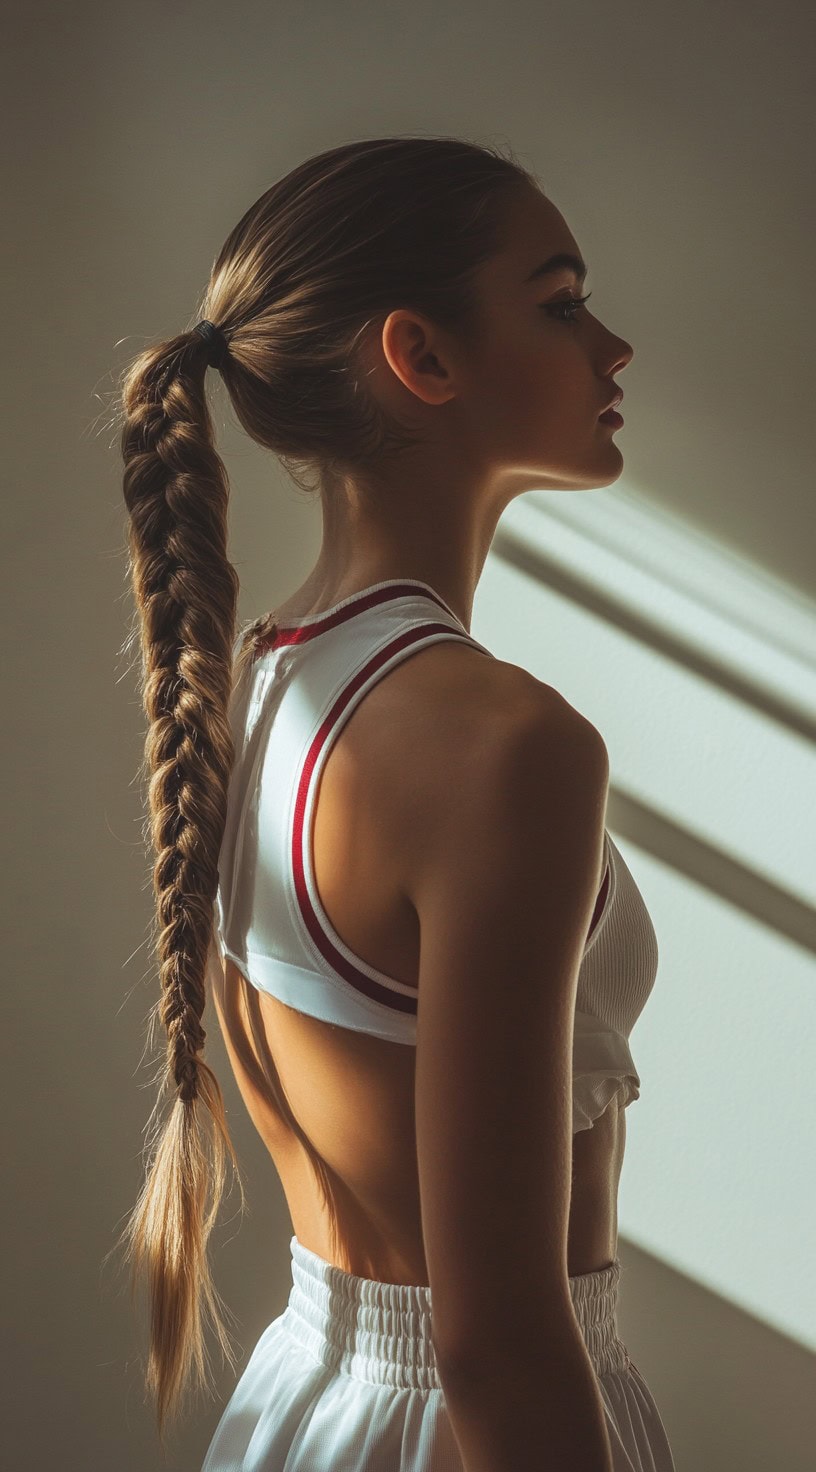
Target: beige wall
675	140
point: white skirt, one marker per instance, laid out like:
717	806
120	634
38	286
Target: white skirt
345	1380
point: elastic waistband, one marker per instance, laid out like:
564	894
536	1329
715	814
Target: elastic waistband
382	1331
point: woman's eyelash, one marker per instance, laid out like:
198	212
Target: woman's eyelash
569	304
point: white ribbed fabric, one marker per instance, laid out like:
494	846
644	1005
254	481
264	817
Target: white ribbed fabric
286	712
345	1380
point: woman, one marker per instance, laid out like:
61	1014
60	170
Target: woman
399	321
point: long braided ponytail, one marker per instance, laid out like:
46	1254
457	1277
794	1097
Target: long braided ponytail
176	493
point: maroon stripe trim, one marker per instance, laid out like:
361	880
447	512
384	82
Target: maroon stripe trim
359	602
600	903
329	728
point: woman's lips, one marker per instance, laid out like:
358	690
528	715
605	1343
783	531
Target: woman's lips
611	416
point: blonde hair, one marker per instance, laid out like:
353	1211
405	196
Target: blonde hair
330	248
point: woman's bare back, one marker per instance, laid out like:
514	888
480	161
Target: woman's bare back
352	1093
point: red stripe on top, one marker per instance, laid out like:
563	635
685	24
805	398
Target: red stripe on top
329	726
600	903
358	603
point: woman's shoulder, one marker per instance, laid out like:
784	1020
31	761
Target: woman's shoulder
449	702
454	672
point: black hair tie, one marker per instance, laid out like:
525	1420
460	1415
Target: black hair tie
215	340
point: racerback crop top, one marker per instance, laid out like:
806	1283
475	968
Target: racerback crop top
288	706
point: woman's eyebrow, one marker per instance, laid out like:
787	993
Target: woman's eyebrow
563	261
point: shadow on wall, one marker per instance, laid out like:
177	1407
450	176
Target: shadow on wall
732	1392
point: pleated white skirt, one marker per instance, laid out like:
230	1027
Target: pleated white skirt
345	1380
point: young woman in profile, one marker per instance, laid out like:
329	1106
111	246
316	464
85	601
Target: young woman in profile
380	849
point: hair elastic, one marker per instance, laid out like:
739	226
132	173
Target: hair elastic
215	340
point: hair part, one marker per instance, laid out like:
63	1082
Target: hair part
325	253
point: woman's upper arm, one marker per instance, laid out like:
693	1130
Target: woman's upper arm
504	889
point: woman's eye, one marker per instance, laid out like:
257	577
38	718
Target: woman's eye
565	310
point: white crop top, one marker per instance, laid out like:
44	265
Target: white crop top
287	708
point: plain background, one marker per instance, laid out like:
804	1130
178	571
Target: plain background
677	141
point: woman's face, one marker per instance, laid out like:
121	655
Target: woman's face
543	370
